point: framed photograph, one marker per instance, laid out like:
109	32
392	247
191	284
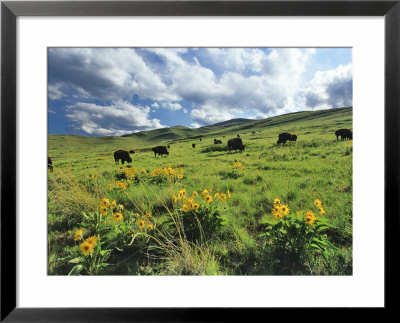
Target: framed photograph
200	158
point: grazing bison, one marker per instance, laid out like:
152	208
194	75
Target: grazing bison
122	155
49	163
344	134
238	136
235	144
160	150
200	139
217	142
193	145
283	137
168	146
131	151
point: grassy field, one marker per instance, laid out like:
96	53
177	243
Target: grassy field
205	210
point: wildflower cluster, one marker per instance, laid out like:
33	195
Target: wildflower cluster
193	201
280	210
116	210
348	144
143	222
296	237
169	172
88	244
318	204
200	214
130	172
237	166
119	184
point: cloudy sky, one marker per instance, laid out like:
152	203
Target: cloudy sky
115	91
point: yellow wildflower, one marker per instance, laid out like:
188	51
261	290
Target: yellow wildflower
150	226
208	198
229	194
222	196
196	206
284	209
182	194
86	248
118	217
141	224
318	203
78	235
105	202
92	240
103	210
310	217
277	201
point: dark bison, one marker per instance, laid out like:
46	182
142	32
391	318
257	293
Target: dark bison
200	139
193	145
49	163
168	146
160	150
217	142
283	137
344	134
122	155
131	151
238	136
235	144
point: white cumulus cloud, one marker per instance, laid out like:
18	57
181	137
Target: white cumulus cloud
116	119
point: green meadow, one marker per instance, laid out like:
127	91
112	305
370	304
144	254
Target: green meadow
205	210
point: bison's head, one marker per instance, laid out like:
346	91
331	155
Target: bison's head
294	137
129	160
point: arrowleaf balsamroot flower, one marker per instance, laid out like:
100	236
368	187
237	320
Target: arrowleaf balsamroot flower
92	240
118	217
78	235
86	248
310	217
105	202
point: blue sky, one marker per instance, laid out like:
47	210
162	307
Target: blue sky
115	91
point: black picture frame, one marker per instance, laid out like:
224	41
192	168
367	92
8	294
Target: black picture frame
10	10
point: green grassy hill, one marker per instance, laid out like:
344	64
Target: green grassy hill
316	166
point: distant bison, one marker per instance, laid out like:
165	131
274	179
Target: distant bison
193	145
283	137
238	136
49	163
122	155
131	151
160	150
235	144
168	146
200	139
217	142
344	134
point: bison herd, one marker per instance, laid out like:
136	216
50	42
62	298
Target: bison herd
233	144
